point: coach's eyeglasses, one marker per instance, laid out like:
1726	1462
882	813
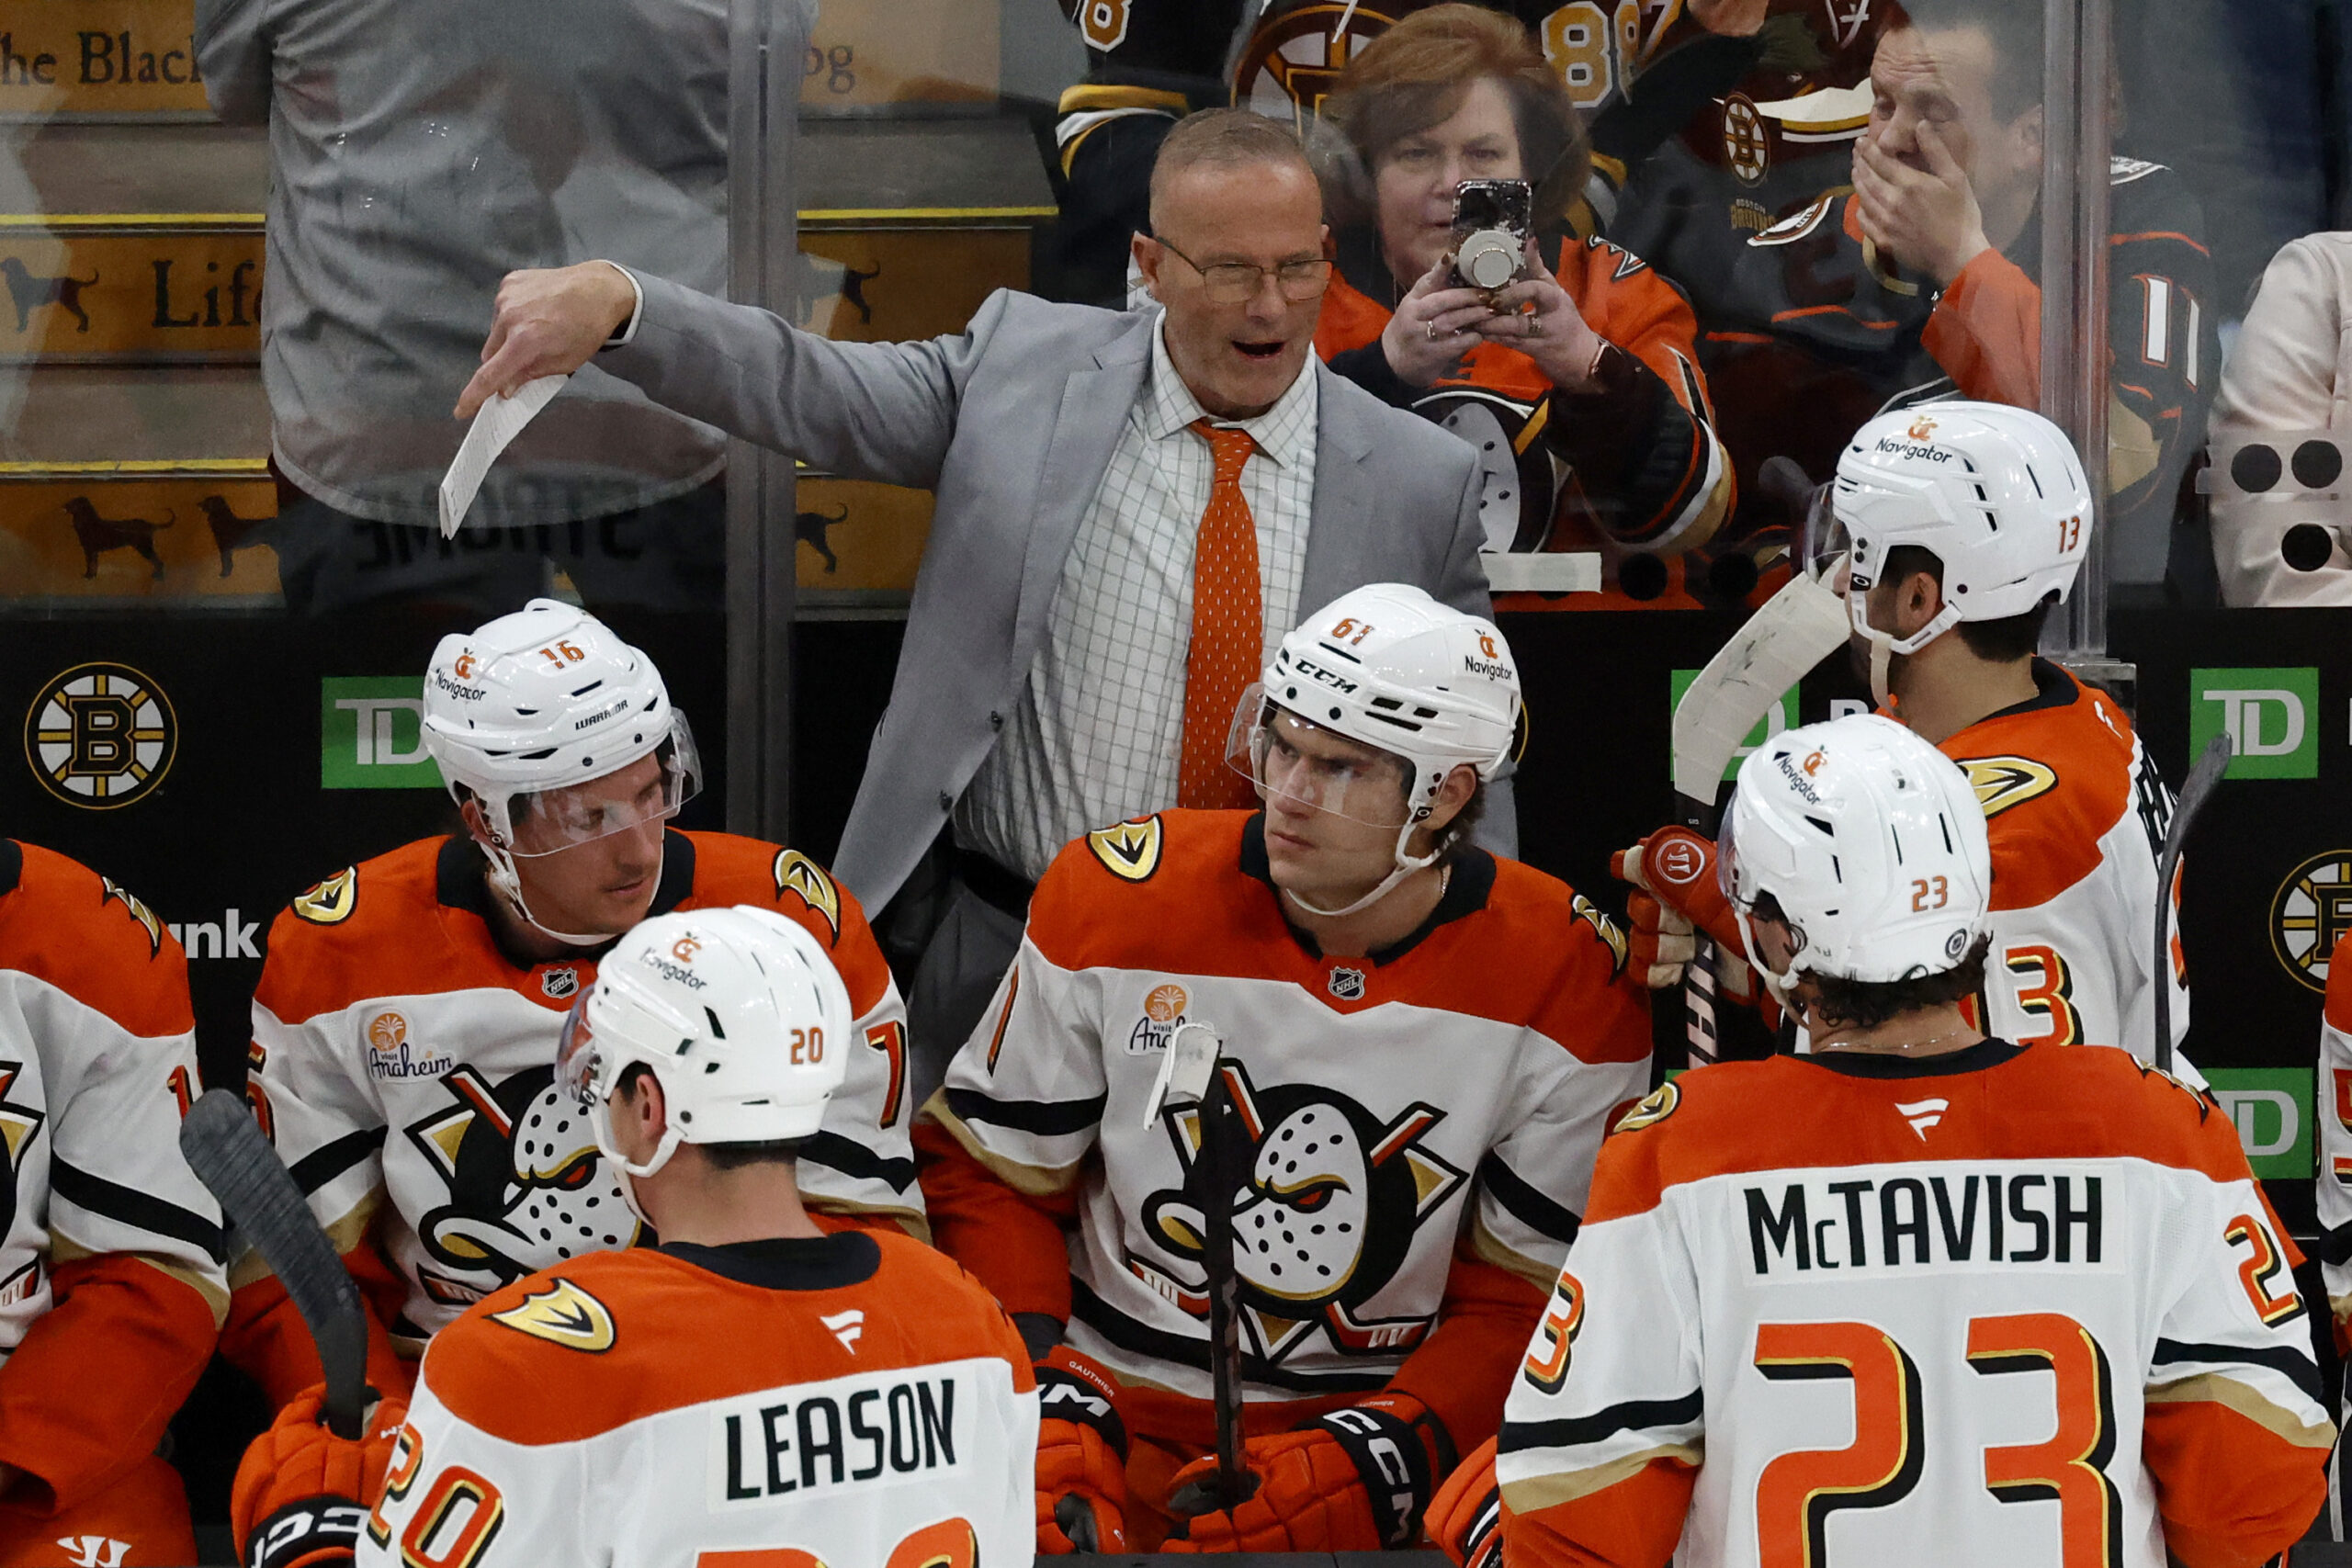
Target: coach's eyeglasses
1236	283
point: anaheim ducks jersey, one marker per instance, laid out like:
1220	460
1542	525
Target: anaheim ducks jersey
2076	815
1632	466
2016	1304
110	1250
2334	1188
1450	1088
855	1400
404	1066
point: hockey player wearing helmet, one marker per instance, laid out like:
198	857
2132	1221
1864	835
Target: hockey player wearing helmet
1427	1039
407	1010
845	1392
1923	1294
1962	525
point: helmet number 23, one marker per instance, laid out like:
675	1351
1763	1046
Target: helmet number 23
1929	893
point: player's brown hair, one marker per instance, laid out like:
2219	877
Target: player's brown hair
1416	74
2004	642
722	1156
1866	1004
1225	139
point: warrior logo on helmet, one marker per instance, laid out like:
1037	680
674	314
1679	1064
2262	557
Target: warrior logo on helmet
1333	1199
527	1186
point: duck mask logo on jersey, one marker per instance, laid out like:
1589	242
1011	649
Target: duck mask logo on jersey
1334	1198
19	1123
527	1186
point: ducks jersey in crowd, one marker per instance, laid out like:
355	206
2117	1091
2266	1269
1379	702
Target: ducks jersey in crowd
1424	1120
853	1398
404	1067
2009	1305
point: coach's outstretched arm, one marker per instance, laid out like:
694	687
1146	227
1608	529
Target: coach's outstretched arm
884	412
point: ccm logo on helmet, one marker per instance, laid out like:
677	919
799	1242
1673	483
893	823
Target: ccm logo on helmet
1328	677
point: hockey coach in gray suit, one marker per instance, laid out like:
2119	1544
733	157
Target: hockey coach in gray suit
1132	509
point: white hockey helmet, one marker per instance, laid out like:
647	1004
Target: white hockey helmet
739	1014
540	701
1996	493
1388	667
1871	842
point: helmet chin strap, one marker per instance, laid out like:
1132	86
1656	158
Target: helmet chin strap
600	1123
1886	645
1405	865
509	887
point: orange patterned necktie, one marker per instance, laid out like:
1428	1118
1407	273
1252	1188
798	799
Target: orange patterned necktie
1228	629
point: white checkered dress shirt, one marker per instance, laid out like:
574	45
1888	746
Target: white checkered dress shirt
1096	732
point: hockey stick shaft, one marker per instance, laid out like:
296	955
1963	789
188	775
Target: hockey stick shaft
226	1149
2195	791
1223	1147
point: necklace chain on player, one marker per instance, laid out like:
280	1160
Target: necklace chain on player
1906	1048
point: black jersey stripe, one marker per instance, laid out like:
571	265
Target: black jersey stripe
2296	1365
1525	1203
1047	1118
854	1159
2334	1248
326	1162
1188	1350
1576	1431
141	1210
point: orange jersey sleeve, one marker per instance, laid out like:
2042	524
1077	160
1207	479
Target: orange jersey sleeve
266	1339
1010	1242
1463	1370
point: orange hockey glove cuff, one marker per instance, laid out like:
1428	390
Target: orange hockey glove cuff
301	1493
1465	1519
1082	1456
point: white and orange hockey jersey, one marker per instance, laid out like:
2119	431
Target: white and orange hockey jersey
2332	1192
404	1066
855	1400
2076	813
1425	1122
111	1290
2017	1305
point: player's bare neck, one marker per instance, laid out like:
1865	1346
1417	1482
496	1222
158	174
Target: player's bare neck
691	1201
1395	917
519	939
1945	687
1923	1032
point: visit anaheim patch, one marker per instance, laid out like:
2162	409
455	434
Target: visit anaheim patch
562	1315
332	901
1128	851
2003	782
795	873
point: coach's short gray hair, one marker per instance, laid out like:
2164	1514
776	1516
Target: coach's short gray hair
1225	139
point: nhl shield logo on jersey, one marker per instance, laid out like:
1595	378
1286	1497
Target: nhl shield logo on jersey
1335	1195
1347	984
559	982
562	1315
527	1189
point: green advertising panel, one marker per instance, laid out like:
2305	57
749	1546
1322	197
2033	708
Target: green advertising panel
372	731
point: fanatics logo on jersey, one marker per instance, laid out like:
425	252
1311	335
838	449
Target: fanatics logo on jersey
100	736
1347	984
562	1315
846	1326
1923	1114
557	984
2311	910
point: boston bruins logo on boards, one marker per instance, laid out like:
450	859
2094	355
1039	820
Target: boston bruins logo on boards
527	1186
1294	58
2003	782
101	736
1334	1197
2311	909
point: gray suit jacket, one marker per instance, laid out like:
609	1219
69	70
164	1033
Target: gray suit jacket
1011	423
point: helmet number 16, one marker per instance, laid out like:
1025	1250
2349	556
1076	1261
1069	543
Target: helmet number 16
562	654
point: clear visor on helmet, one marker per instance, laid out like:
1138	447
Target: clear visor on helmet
652	789
1314	768
1826	545
576	1054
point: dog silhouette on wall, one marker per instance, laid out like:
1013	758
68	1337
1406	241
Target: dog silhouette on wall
811	527
823	279
98	535
29	292
229	531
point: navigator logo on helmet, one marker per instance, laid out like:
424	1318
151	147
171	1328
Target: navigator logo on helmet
738	1014
1388	667
524	710
1876	856
1995	493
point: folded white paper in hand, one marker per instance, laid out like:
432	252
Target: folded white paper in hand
496	423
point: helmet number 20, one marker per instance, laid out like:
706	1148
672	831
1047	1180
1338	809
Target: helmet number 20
562	654
807	1047
1929	893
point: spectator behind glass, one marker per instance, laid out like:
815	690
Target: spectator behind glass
2285	382
1923	276
420	149
1585	367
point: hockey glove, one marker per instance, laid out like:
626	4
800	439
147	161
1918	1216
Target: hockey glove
1675	866
1082	1457
1355	1480
1467	1519
302	1492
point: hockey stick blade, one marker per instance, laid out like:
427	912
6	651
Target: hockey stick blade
2195	791
226	1149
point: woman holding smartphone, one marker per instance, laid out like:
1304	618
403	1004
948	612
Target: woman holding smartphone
1579	380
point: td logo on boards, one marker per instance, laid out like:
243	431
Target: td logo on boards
2271	715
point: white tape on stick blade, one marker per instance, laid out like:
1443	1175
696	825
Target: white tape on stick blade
496	423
